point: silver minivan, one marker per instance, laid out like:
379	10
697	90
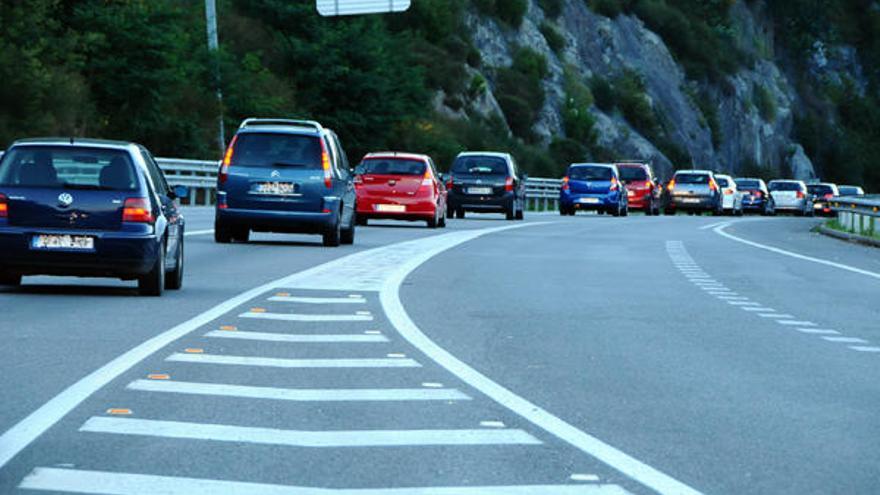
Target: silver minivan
791	196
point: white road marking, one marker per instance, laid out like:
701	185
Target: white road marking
492	424
775	315
742	303
846	340
297	395
432	384
862	348
760	309
198	232
720	231
712	225
797	323
305	317
584	477
318	300
373	332
396	355
733	298
300	338
298	438
818	331
292	363
103	482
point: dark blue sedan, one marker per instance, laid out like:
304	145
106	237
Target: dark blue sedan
88	208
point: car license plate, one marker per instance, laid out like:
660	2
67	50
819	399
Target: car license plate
589	201
275	188
391	208
479	190
73	242
691	200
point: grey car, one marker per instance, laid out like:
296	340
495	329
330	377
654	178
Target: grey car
694	191
791	196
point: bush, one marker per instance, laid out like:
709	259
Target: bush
567	151
603	93
576	116
551	8
764	102
520	115
554	38
634	104
511	12
608	8
531	63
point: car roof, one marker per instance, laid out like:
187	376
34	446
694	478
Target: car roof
281	129
605	165
750	178
397	154
829	184
724	176
788	180
632	164
496	154
82	142
697	171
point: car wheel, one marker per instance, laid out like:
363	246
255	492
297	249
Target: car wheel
520	213
153	282
10	279
222	233
616	211
433	222
459	213
510	214
174	279
346	236
333	237
362	221
625	211
241	235
442	221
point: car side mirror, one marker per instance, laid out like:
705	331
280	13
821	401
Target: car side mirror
177	192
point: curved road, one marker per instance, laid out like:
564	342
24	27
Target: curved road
557	355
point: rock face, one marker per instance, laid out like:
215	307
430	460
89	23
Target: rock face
604	47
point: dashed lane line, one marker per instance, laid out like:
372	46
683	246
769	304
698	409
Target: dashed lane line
845	340
292	363
319	300
299	338
305	317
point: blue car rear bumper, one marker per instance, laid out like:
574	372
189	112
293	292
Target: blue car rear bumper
590	201
292	222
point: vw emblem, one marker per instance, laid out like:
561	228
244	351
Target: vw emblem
65	199
275	174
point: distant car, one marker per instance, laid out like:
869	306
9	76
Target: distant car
823	192
593	187
642	188
756	196
791	196
288	176
400	186
694	191
486	182
88	208
732	198
851	191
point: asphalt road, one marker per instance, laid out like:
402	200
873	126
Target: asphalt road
586	355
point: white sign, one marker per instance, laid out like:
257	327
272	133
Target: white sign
331	8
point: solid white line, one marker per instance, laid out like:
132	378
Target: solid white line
733	298
720	231
794	323
103	482
775	315
584	477
304	317
818	331
757	309
712	225
318	300
846	340
742	303
298	438
492	424
862	348
292	363
198	232
297	395
303	338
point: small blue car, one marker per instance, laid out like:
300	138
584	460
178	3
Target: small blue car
593	187
89	208
288	176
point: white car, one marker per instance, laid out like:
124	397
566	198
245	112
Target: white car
732	198
791	196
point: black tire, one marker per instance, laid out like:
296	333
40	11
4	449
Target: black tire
625	211
520	213
459	213
450	213
668	212
362	221
333	237
222	233
442	221
433	222
241	234
153	282
174	278
510	214
346	236
10	279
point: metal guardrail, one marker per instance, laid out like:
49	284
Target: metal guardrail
858	215
199	176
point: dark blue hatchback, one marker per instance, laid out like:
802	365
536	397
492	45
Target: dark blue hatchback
288	176
88	208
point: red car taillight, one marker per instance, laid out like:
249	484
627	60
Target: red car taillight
137	210
613	186
671	185
712	185
728	192
227	161
829	196
759	194
4	206
800	195
427	184
508	184
325	165
565	186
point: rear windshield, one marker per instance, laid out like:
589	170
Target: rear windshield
748	184
276	150
590	173
722	182
820	190
482	165
849	191
632	173
691	179
68	167
392	167
784	186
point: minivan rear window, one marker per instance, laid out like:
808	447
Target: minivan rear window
391	167
632	173
480	165
68	167
691	179
820	189
785	186
590	173
276	150
722	182
748	184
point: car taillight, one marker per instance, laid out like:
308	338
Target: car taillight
137	210
800	195
508	184
565	186
671	185
4	206
613	186
759	194
712	185
325	164
728	192
227	161
649	185
427	181
829	196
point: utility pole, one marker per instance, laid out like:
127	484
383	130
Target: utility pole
213	48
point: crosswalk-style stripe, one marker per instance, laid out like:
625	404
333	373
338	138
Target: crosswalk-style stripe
297	438
298	395
319	300
103	482
293	363
305	317
298	338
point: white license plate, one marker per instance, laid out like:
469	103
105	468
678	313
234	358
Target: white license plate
280	188
691	200
391	208
630	193
589	201
74	242
479	190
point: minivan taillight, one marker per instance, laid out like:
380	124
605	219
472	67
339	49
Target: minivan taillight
508	184
565	186
613	186
137	210
4	206
800	195
227	161
325	165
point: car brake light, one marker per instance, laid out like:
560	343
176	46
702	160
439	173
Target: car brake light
728	192
137	210
759	194
227	161
325	164
712	185
427	181
565	186
800	195
649	185
829	196
671	185
4	206
613	186
508	184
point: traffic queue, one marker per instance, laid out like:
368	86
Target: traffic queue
99	208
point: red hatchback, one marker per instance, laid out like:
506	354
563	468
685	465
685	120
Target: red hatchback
400	186
642	189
